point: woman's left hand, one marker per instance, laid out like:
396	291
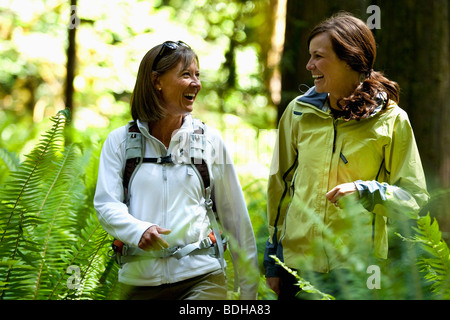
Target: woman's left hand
340	191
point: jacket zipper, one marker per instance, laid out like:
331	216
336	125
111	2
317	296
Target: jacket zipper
341	155
165	201
334	135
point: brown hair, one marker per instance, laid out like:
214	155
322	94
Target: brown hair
354	43
145	99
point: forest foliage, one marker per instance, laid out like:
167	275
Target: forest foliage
53	247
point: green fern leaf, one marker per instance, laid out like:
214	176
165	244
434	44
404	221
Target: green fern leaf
48	225
18	214
302	283
435	262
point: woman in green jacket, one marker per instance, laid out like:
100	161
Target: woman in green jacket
345	139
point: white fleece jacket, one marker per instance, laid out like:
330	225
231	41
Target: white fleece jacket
171	196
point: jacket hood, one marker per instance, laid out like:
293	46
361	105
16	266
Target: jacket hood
318	100
314	98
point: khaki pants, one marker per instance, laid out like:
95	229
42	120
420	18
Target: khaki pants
211	286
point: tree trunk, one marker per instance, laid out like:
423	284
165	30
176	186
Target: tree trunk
414	50
71	56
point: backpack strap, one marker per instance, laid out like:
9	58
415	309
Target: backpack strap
133	155
206	246
197	161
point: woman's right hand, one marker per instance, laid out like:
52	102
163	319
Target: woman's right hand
274	284
152	240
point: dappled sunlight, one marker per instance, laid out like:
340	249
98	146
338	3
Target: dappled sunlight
112	37
252	58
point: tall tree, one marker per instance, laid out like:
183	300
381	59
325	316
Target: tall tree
71	55
414	47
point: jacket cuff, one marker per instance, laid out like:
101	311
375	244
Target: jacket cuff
370	193
272	269
143	226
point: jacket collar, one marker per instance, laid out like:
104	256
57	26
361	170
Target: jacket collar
313	98
186	126
318	100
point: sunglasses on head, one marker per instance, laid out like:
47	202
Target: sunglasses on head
166	48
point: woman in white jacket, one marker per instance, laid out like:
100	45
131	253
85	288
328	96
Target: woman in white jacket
165	210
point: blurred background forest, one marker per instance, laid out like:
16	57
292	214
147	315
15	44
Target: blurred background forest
83	55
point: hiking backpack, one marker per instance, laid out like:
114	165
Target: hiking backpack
134	158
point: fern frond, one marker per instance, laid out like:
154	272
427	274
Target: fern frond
435	263
18	218
23	184
11	161
87	253
303	284
108	282
59	206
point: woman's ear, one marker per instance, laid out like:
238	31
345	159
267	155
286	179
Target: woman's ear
362	77
156	81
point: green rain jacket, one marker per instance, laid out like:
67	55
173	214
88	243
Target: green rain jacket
314	153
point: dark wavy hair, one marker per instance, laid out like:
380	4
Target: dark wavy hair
354	43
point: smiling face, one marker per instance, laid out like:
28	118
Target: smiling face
179	87
331	75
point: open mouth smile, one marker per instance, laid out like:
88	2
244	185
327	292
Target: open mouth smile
317	77
190	96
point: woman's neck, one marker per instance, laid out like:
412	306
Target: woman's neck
333	102
164	128
345	91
